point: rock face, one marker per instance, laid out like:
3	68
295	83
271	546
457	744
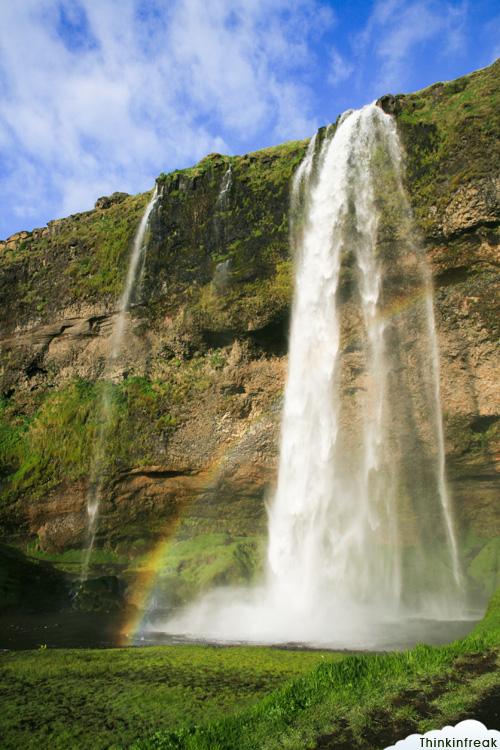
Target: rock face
108	200
197	390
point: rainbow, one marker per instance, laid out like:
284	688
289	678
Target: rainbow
147	575
149	570
145	582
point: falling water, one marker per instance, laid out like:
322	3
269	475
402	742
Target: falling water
134	277
361	532
225	188
97	471
335	521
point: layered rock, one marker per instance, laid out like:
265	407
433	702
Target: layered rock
198	386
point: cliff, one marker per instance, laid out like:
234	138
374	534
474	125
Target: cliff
197	392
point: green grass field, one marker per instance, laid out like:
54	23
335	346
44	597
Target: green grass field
360	702
208	698
78	698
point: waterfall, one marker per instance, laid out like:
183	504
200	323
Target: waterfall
134	276
335	520
361	531
225	188
97	470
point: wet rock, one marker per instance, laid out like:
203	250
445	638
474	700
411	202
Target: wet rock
473	204
30	585
103	594
62	531
390	104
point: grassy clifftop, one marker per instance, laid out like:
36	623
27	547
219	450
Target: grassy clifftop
451	134
235	209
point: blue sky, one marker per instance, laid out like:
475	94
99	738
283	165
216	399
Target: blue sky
103	95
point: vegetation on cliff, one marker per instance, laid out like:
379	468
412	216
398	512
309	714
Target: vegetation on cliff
451	135
79	258
199	389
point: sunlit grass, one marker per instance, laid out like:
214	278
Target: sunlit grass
107	698
345	695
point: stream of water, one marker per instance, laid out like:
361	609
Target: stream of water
361	529
97	472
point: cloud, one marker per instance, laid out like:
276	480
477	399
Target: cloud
397	28
465	730
340	70
99	96
491	38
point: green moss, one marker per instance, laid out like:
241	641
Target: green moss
104	699
485	567
248	305
205	166
57	442
12	430
284	158
271	168
192	566
71	559
248	231
450	131
104	240
82	257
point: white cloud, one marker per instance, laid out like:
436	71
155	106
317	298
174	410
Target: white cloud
465	730
396	28
340	70
145	86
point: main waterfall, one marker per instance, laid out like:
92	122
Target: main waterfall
344	478
361	532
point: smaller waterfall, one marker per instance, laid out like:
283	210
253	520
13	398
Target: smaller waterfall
303	173
222	204
225	188
134	276
132	285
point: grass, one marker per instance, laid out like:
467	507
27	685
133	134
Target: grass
251	302
55	443
70	560
93	248
435	125
281	155
485	567
191	566
346	698
207	698
105	699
